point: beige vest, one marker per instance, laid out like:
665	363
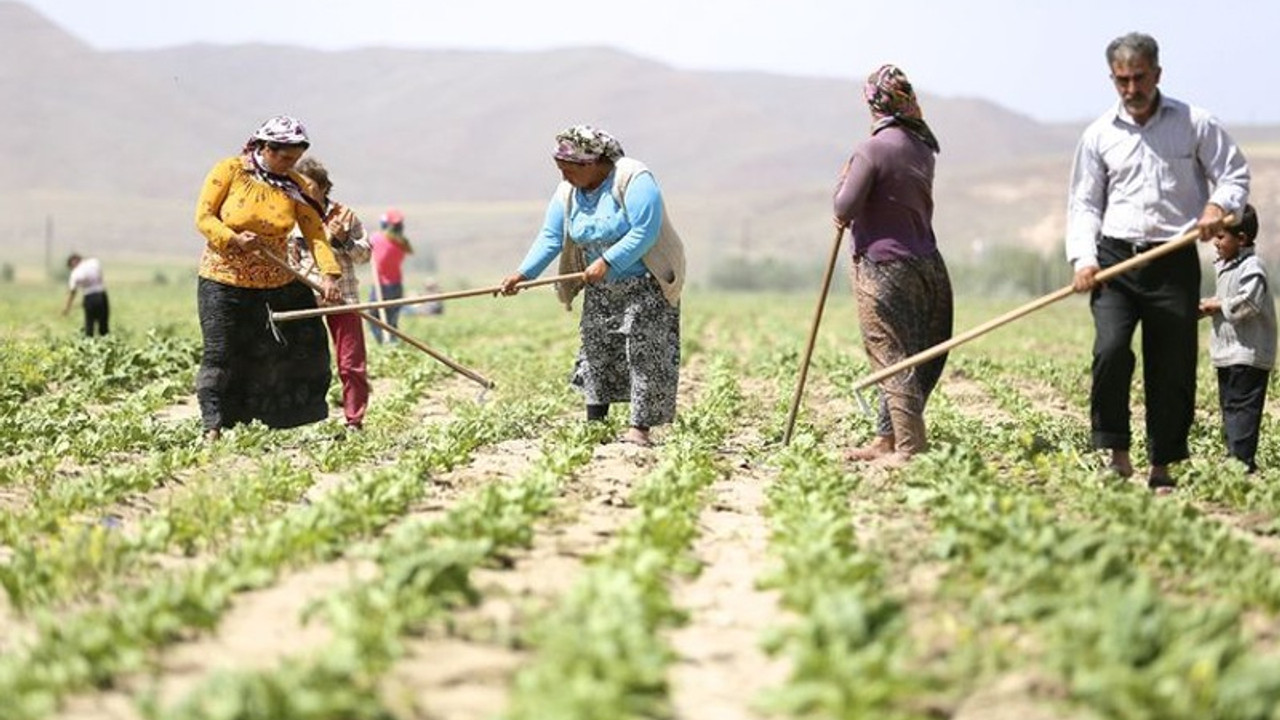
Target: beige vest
665	260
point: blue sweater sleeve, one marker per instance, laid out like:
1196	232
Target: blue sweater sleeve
644	212
549	242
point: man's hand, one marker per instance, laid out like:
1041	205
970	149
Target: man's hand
1210	222
509	284
1084	280
596	271
1210	306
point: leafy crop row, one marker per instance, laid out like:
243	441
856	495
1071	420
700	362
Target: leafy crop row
600	654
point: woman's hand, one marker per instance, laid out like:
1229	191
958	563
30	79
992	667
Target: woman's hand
508	285
295	252
330	291
596	271
246	240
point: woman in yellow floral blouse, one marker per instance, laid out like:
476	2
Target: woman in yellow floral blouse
248	205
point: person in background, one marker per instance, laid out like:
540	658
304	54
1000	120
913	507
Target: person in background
1242	344
390	246
607	218
248	205
86	276
1148	170
350	245
905	304
434	307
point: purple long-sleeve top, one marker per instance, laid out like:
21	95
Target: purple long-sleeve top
886	196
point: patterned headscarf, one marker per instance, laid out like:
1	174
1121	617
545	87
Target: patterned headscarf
287	131
281	129
586	144
893	102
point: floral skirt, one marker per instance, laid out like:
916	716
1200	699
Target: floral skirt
246	371
630	349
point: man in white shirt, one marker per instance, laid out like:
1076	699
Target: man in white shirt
86	276
1148	170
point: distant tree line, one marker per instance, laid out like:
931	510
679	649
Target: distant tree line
1012	272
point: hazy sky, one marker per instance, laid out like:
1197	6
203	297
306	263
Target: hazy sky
1040	57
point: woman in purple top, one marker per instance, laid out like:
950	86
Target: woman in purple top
885	198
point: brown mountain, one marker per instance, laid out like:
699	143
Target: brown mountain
113	145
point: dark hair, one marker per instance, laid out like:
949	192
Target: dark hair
1137	43
278	146
316	171
72	259
1247	228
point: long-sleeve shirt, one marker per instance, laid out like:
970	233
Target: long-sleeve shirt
352	250
231	201
1244	331
886	196
1150	183
602	227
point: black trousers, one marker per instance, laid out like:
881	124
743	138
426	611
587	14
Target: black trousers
1242	393
247	371
1163	297
97	313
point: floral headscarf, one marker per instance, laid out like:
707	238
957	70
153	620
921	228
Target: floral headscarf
586	144
285	130
893	102
281	129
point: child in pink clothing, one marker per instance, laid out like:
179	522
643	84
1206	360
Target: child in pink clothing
390	246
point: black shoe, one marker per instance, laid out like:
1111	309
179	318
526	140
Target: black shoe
1161	484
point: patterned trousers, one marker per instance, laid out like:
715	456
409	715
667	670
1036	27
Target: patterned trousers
630	349
904	307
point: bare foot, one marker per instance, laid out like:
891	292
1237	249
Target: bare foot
1120	463
879	446
892	461
212	435
636	436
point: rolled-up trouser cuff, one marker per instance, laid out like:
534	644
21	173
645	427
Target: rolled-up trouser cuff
1111	441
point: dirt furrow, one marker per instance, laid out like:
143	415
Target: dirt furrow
263	627
466	675
722	664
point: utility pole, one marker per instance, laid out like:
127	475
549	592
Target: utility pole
48	245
